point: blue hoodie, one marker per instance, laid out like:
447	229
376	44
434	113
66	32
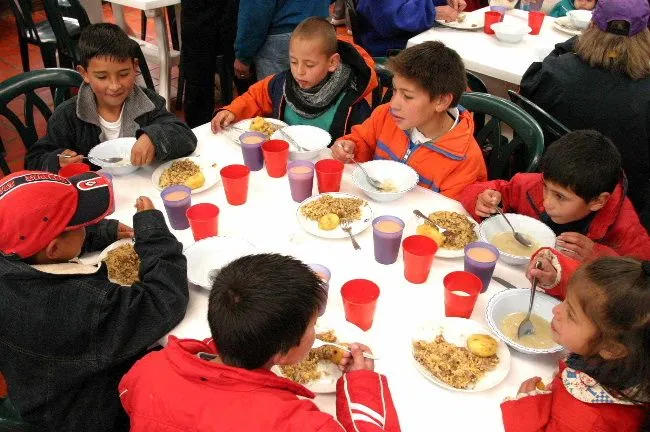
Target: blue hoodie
259	18
389	24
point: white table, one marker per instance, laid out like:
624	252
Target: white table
421	405
488	56
160	53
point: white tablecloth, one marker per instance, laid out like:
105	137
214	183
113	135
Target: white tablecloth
268	221
486	55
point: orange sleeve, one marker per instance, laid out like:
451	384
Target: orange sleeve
471	170
365	135
255	102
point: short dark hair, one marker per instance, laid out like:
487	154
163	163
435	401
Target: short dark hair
105	40
437	69
318	28
260	305
584	161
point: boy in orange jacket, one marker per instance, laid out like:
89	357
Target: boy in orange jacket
422	126
327	86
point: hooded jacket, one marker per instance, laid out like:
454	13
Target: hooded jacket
266	97
174	389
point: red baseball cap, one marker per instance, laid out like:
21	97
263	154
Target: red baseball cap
36	207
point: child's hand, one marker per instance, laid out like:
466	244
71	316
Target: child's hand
143	204
63	161
575	245
529	385
446	13
355	360
546	275
222	120
242	70
459	5
143	151
343	150
124	231
487	202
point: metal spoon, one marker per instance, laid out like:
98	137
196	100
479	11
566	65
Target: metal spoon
292	141
319	343
518	236
526	327
441	230
105	160
371	181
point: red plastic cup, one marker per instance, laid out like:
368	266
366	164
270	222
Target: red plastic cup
276	157
359	301
491	17
204	220
73	169
329	173
418	253
235	183
535	20
461	291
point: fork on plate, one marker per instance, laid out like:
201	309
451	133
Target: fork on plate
346	226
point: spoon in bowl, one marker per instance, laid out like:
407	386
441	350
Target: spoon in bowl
518	236
526	326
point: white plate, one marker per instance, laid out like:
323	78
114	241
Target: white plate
119	147
564	25
213	253
246	125
472	21
330	373
415	221
210	172
104	253
311	138
456	331
357	226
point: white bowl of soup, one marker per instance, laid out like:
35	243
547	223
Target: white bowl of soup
580	18
506	310
495	230
396	179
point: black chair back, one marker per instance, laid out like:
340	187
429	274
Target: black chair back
552	128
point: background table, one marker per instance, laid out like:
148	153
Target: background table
268	220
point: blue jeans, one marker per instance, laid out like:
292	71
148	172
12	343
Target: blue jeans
273	57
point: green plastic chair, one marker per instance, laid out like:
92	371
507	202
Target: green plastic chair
552	128
26	84
505	157
10	420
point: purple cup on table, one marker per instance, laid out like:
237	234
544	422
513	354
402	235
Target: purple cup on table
251	148
301	179
500	9
177	200
387	235
480	260
325	274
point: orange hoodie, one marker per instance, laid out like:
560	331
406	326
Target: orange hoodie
447	165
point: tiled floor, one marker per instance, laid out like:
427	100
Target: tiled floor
10	65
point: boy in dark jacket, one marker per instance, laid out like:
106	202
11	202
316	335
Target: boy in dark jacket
110	105
67	334
326	87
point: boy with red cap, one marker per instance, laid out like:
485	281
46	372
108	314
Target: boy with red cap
67	333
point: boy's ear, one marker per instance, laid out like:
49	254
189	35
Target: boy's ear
443	102
84	73
613	351
280	359
599	202
334	62
53	249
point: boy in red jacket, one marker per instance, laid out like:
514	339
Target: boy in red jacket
262	313
580	195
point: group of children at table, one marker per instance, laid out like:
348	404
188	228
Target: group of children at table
69	336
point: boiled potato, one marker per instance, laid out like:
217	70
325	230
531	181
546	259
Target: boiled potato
431	232
195	181
482	345
540	386
328	222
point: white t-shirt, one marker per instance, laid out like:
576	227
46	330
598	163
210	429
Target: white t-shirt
111	130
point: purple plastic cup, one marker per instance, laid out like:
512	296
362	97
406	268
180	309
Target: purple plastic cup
177	200
387	235
325	274
301	179
480	260
251	149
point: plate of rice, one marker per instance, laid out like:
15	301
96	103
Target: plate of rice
321	215
462	230
122	262
265	125
440	353
185	171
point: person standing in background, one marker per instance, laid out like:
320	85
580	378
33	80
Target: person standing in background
263	31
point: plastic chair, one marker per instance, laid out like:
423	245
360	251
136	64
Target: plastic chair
4	167
66	38
10	419
63	80
505	157
552	128
475	83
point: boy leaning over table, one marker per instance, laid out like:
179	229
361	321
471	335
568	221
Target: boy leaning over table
68	334
110	105
423	126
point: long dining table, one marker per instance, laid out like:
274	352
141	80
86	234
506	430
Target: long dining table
268	221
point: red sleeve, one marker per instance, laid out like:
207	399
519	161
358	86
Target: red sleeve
364	135
528	414
626	237
508	190
364	404
255	102
565	266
